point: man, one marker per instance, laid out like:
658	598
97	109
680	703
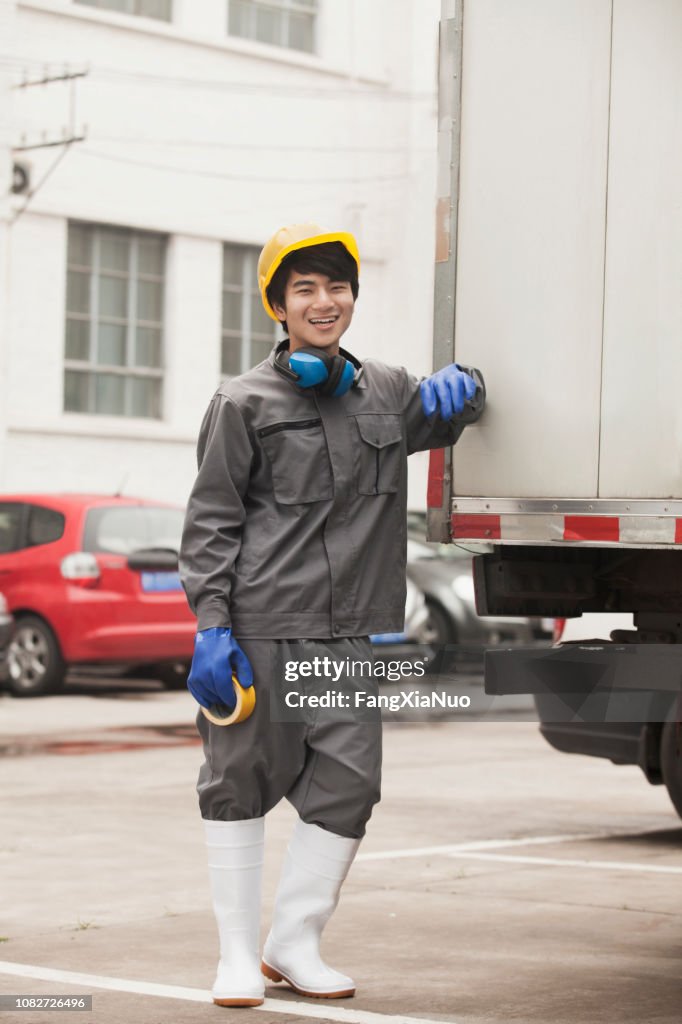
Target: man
294	549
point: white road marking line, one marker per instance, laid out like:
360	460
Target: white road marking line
491	844
142	988
603	865
196	995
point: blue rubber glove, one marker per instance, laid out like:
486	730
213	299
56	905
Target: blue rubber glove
446	391
216	656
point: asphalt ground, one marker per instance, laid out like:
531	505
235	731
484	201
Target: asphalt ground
499	880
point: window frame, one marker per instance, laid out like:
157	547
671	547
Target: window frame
286	8
133	12
245	336
130	322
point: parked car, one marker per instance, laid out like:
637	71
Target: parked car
444	623
92	580
444	574
652	745
415	639
446	580
6	631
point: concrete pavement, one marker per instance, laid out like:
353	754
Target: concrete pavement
499	880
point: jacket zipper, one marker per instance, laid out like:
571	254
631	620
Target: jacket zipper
297	425
376	482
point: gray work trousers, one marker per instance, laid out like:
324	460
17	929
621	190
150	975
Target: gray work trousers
326	762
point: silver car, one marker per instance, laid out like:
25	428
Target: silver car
443	574
444	625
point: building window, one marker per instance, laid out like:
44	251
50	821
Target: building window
159	9
289	23
114	320
248	332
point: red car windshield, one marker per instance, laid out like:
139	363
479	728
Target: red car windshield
122	529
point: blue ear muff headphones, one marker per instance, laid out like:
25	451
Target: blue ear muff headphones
312	368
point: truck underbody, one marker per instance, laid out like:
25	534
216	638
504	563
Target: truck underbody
563	581
621	699
618	698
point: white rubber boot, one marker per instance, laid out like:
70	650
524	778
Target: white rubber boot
315	867
235	861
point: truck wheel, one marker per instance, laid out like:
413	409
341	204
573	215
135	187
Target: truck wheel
671	762
34	661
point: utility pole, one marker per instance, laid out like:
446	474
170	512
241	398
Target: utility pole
7	9
70	133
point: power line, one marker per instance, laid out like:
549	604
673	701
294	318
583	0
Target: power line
275	89
197	173
338	148
48	79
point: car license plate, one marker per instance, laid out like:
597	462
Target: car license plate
160	582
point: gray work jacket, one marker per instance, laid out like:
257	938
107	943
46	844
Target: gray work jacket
296	524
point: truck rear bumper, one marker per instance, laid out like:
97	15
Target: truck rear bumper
590	682
598	522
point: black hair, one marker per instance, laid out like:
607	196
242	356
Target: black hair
329	258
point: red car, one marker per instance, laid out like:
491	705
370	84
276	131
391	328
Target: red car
92	580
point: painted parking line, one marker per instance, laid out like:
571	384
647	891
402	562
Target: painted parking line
566	862
197	995
480	850
492	844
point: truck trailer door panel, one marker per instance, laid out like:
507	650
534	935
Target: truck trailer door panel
530	257
641	429
569	254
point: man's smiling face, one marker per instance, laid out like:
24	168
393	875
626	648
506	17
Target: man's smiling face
317	310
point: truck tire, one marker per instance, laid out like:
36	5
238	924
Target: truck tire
671	761
34	661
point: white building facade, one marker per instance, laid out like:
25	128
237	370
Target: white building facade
127	279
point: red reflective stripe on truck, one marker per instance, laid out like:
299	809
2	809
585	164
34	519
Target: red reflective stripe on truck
547	528
476	527
434	493
606	528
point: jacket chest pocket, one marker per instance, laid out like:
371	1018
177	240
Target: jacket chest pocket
299	461
379	453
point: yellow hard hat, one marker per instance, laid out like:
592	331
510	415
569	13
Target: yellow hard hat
288	239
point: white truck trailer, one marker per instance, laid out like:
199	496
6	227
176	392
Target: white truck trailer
559	274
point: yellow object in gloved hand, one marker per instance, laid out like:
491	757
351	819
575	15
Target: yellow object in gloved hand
220	714
218	665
